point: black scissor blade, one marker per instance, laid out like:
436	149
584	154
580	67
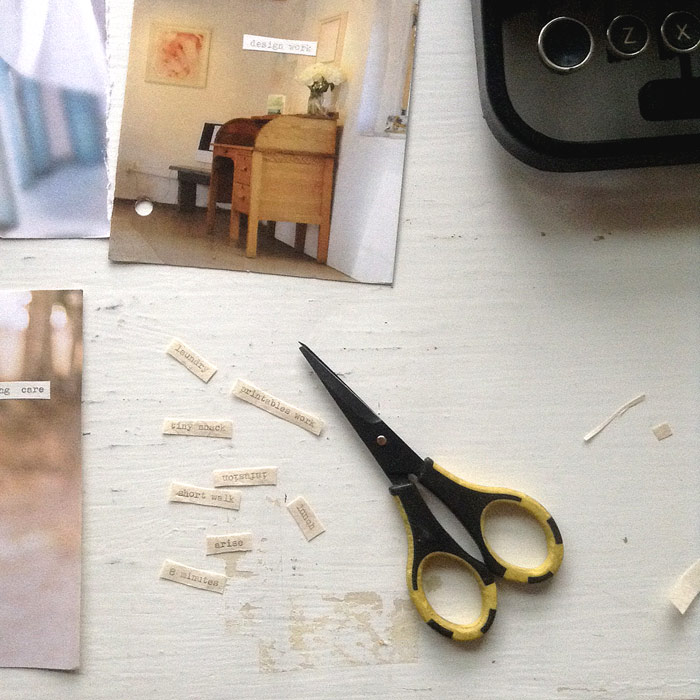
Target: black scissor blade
394	456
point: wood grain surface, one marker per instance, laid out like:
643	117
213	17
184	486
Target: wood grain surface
527	307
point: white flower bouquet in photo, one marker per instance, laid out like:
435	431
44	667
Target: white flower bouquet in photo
320	78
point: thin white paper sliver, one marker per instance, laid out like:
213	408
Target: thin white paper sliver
620	411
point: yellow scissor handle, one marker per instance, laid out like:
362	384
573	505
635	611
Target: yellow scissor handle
427	540
471	503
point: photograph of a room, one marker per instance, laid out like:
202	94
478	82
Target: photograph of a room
266	136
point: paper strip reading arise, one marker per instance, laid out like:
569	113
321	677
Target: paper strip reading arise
222	544
305	518
251	394
198	428
197	578
190	359
263	476
184	493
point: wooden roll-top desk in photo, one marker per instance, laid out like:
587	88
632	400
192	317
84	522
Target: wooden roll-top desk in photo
275	169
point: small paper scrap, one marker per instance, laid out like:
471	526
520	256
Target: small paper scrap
662	431
191	359
686	588
263	476
251	394
223	544
25	390
197	578
198	428
305	518
620	411
184	493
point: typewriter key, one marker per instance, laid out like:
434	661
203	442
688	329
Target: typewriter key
681	31
565	44
628	36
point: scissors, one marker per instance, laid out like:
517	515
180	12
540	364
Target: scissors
427	539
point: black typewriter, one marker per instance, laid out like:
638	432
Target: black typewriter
586	85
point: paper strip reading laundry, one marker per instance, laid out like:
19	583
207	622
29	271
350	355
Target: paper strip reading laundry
198	428
620	411
190	359
184	493
197	578
261	399
686	588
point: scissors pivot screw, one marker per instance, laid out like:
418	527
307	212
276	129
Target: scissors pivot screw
381	440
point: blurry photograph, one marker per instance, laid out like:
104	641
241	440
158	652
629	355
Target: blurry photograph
41	357
265	136
53	101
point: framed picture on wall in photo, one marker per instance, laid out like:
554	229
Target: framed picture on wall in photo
178	55
301	178
331	38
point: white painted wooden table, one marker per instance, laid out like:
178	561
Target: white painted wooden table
527	306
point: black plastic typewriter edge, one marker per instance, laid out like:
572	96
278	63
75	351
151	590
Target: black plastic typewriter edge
545	153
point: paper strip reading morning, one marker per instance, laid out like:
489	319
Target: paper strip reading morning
263	476
198	428
246	391
184	493
25	390
197	578
191	359
223	544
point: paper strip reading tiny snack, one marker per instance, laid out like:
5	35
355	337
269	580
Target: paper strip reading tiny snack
197	578
305	518
184	493
251	394
198	428
25	390
191	359
263	476
223	544
686	588
623	409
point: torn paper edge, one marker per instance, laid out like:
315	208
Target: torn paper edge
196	578
200	496
262	476
191	360
257	397
662	431
686	588
620	411
234	542
198	427
305	518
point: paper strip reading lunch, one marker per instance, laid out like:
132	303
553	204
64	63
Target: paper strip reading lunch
251	394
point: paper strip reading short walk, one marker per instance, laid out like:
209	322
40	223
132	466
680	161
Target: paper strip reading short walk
305	518
251	394
223	544
623	409
25	390
262	476
184	493
198	428
686	588
190	359
197	578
